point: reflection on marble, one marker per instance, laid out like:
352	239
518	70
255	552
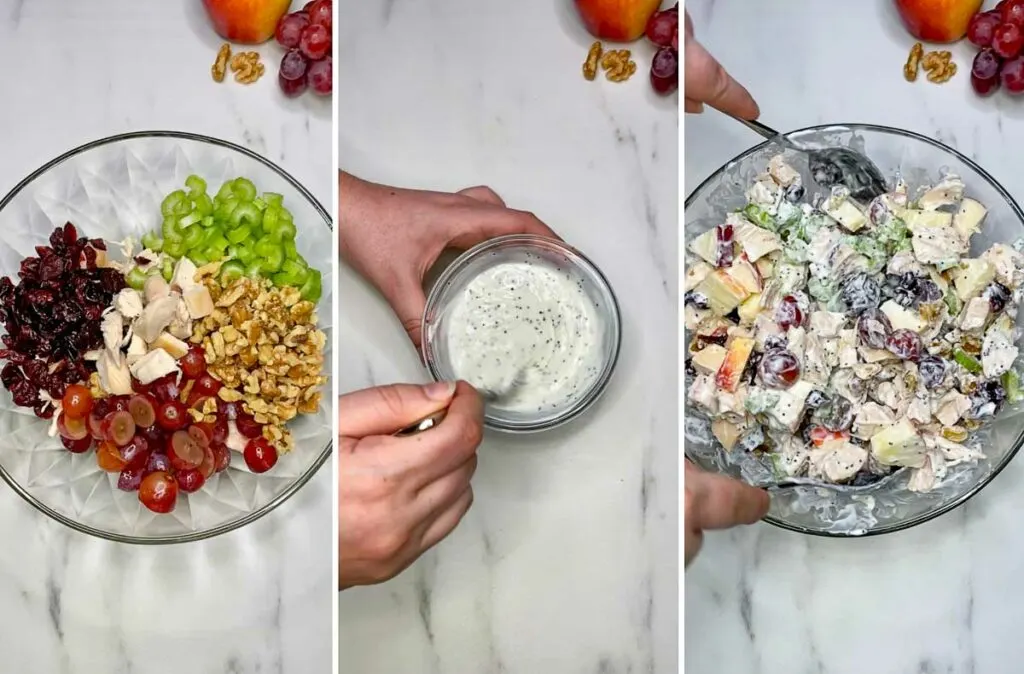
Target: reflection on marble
567	561
938	598
257	600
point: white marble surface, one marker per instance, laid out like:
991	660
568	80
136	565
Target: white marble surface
945	596
567	561
257	600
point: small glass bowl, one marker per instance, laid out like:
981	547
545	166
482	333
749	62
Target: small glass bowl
453	281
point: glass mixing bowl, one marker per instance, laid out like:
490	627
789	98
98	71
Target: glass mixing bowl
887	505
519	247
111	189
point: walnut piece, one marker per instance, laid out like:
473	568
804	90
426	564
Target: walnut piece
911	67
593	57
247	67
617	65
939	66
220	66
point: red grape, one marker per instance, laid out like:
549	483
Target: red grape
143	410
130	479
320	13
200	435
779	369
183	451
109	458
95	425
981	28
315	42
206	385
665	71
1012	75
248	426
172	415
77	401
662	26
165	388
193	363
321	77
158	463
221	457
289	29
788	314
120	428
72	428
190	480
985	72
905	344
220	431
159	492
260	455
1007	40
874	328
209	465
292	75
136	452
76	446
228	410
1013	12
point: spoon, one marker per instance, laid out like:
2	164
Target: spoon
424	424
793	482
504	390
832	165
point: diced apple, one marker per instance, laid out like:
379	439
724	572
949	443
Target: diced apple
735	362
750	308
917	220
765	267
695	273
972	277
709	359
705	246
968	219
756	241
726	432
847	214
902	318
746	274
949	191
898	445
722	291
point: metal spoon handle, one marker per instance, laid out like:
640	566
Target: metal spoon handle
767	132
424	424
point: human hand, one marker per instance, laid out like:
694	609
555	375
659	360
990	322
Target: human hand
398	497
706	81
393	236
717	502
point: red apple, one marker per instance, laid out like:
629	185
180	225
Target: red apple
937	20
616	20
246	21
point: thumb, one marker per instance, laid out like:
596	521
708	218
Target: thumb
383	410
706	81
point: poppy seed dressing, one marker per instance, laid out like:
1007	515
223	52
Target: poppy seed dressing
531	322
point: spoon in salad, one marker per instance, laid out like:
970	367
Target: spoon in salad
505	389
832	165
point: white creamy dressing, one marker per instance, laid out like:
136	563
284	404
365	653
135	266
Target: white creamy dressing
531	321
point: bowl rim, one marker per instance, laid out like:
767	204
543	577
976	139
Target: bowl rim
289	491
582	261
1005	461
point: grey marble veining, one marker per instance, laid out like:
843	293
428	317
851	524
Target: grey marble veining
567	561
945	596
257	600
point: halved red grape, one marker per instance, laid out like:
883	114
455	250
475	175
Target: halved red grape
159	492
136	452
172	415
932	370
119	403
109	458
662	26
788	313
289	29
95	425
260	455
207	385
158	463
165	388
120	428
725	249
130	478
315	42
209	465
200	435
190	480
77	401
1007	40
320	14
1012	75
665	71
193	363
143	411
981	28
779	369
183	451
905	344
221	457
874	328
72	428
320	77
248	426
76	446
219	432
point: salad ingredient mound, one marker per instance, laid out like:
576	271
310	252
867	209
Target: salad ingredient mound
168	360
844	341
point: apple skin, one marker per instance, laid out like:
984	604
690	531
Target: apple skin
246	21
937	20
616	20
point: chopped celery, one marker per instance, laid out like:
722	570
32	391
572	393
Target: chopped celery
260	204
1011	384
285	232
239	234
245	254
212	254
204	204
190	219
207	221
136	278
193	237
167	269
199	258
245	214
244	189
225	209
254	269
174	248
230	271
170	229
311	289
273	198
170	203
270	217
225	191
967	361
285	214
195	185
271	252
291	252
153	242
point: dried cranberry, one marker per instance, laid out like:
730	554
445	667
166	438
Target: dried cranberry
874	328
723	234
905	344
25	394
43	410
932	370
788	313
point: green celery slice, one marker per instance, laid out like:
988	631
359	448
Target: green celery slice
273	198
245	214
204	204
230	271
153	242
239	234
193	237
169	205
195	185
311	289
967	361
244	189
136	278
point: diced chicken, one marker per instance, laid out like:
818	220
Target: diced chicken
157	315
733	403
997	353
886	393
923	479
837	463
181	326
827	323
1008	263
128	303
902	318
764	327
951	407
793	456
847	348
953	452
702	392
786	414
112	328
726	432
869	355
155	288
198	301
115	378
781	172
136	349
904	261
184	276
764	191
695	273
815	360
171	344
155	364
871	418
945	195
866	370
919	411
974	315
935	243
819	251
692	317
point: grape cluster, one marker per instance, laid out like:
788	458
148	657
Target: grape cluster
999	33
663	30
306	34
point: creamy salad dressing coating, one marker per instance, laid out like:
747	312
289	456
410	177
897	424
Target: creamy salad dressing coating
530	322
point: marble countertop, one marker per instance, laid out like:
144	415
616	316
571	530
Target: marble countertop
567	561
942	597
259	599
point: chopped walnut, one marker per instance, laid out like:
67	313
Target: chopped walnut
939	66
593	57
617	65
262	343
247	67
911	67
220	66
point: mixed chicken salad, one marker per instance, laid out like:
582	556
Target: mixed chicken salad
845	341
